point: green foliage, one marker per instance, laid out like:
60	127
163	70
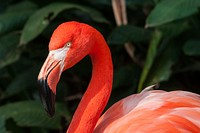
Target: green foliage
18	83
161	69
192	48
41	19
164	35
169	10
2	126
123	34
122	76
15	16
152	50
9	53
30	113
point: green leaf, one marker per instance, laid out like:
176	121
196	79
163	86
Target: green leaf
4	4
7	42
127	33
157	1
133	3
41	19
151	54
31	113
192	48
2	126
171	30
9	52
10	57
21	6
171	10
162	67
16	16
13	20
21	81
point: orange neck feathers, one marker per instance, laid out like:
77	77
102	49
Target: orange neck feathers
98	91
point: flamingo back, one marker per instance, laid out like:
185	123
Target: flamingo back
153	111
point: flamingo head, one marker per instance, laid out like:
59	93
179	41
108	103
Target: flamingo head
70	42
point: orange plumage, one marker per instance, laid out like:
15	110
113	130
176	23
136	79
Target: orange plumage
153	111
149	111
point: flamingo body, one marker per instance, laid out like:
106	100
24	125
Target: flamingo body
152	111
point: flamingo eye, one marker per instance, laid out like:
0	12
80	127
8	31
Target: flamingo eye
68	44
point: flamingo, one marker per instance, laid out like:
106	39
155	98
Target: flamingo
153	111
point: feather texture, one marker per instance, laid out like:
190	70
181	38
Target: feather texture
153	111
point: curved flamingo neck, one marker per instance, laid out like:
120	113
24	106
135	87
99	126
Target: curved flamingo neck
98	92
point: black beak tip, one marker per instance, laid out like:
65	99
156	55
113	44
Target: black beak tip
47	97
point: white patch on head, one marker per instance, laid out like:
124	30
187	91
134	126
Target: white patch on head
60	54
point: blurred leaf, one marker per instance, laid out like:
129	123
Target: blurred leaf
124	83
157	1
30	113
192	48
9	52
138	2
151	54
125	76
2	126
123	34
10	57
174	29
21	81
162	67
171	10
11	21
100	2
41	19
15	16
4	4
24	5
7	42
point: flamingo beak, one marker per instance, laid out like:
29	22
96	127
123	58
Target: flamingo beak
47	97
47	80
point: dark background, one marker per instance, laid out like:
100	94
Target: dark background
164	36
